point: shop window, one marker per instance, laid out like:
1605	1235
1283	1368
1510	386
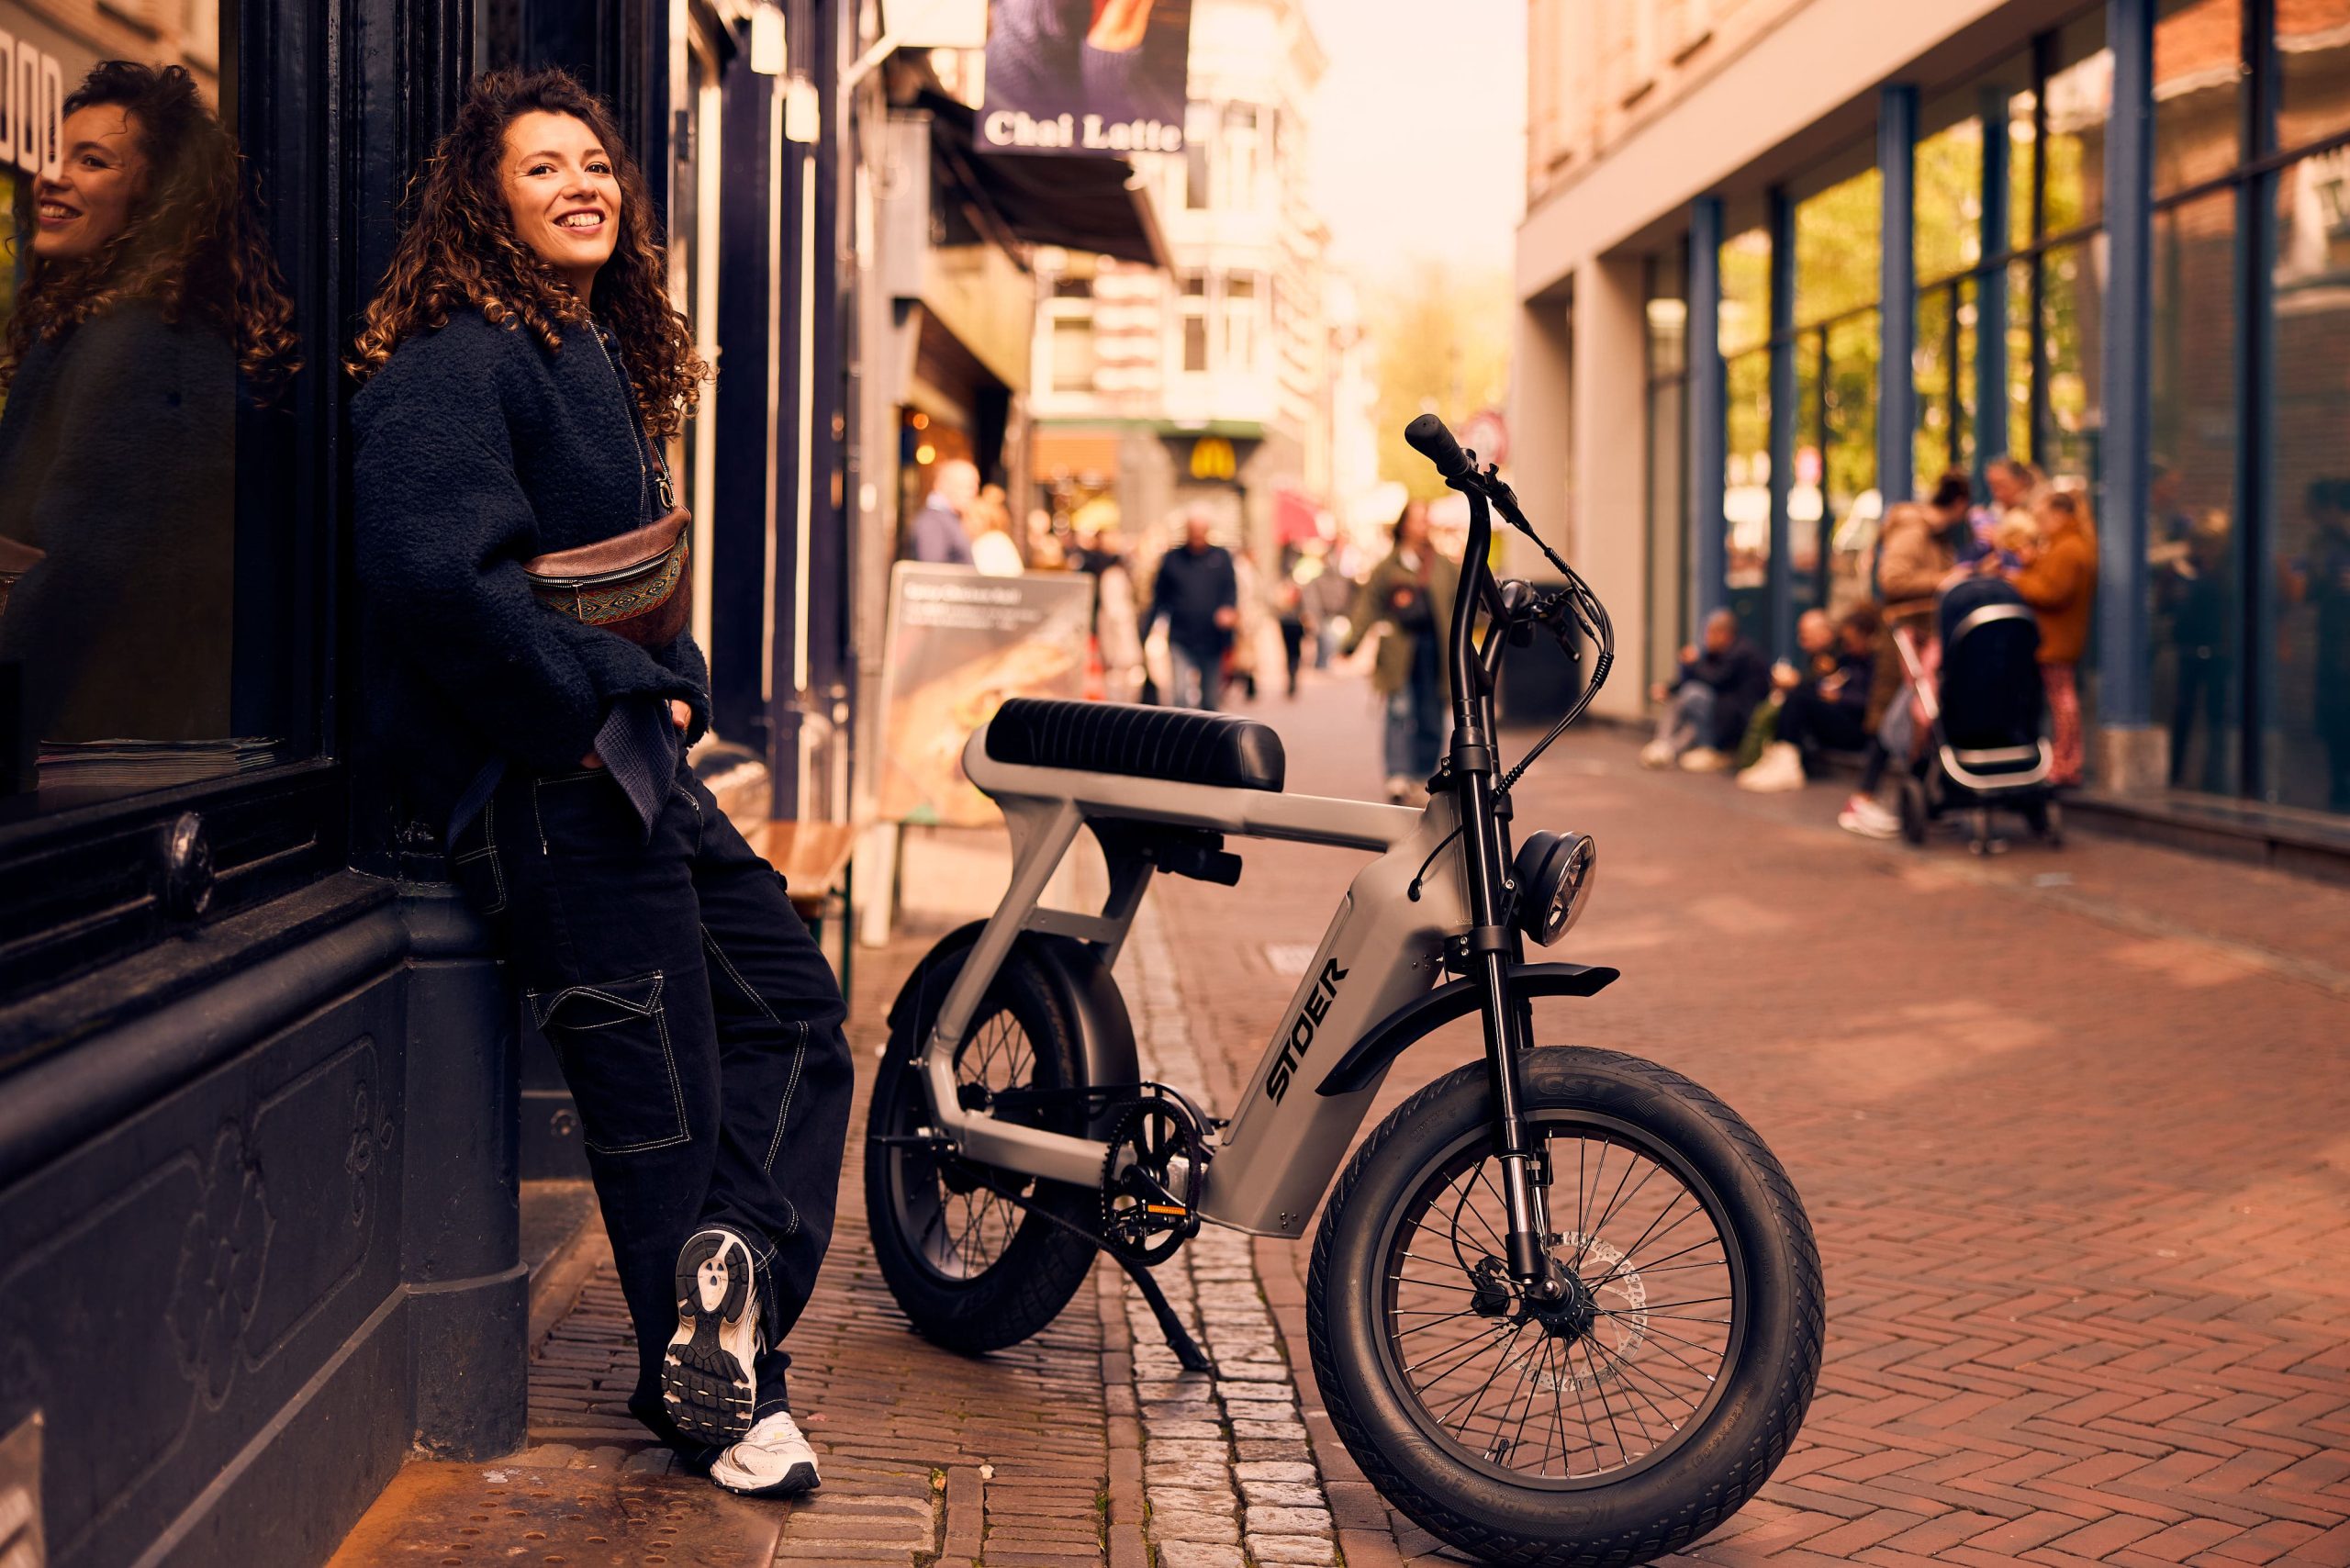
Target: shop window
2021	357
1746	291
2313	69
1667	311
1949	217
2079	95
1838	239
148	634
2199	91
2195	549
2305	607
2072	315
1853	345
1945	380
1746	496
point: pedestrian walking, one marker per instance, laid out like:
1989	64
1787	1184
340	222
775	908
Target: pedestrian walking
523	367
1409	594
1197	593
1290	613
940	533
2058	579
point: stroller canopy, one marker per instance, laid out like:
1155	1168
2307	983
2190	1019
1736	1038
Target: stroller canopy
1990	675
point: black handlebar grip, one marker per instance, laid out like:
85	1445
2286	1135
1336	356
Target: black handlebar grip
1427	436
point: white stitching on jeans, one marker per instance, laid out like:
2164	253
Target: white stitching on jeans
783	1112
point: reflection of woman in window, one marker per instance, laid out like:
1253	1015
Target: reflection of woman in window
150	294
524	367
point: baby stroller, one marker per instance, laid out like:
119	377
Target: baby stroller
1983	745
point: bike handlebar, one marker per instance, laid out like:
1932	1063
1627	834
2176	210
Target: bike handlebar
1427	436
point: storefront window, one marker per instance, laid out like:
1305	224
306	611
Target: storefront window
1945	365
2072	315
1948	221
2307	485
1804	501
147	633
1667	310
2194	549
2079	96
1838	242
1746	291
2198	89
1854	344
2313	68
1746	496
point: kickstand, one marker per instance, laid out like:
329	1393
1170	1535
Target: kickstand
1179	1339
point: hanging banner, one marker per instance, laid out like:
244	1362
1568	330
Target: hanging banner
959	644
1098	78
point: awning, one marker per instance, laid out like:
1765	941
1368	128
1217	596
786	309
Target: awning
1079	204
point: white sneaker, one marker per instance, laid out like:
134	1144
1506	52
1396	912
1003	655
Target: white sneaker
1704	759
707	1385
774	1461
1780	769
1657	754
1865	817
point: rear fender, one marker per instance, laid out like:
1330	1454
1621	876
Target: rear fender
1081	984
1388	1038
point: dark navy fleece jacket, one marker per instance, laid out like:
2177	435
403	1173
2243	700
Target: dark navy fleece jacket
477	449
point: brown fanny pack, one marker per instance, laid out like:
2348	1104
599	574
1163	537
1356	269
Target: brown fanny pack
635	585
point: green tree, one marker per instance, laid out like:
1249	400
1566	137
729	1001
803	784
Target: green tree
1441	338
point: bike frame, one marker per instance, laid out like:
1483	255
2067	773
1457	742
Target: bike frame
1385	947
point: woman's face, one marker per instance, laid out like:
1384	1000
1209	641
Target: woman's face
99	179
564	194
1412	529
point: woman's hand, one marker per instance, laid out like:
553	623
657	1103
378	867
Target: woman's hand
1119	26
680	714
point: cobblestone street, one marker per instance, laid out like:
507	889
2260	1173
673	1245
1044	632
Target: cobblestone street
2073	1127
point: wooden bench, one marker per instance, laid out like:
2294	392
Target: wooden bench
814	860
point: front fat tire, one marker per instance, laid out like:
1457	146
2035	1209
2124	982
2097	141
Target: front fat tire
1650	1512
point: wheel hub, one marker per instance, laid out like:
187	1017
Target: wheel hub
1568	1313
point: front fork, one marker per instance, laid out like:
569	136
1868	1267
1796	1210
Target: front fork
1492	948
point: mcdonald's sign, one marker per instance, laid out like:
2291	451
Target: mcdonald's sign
1212	458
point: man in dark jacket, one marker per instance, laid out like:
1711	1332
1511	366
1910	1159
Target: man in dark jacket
1711	700
1199	596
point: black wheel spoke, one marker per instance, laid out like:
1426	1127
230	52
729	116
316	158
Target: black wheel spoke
1483	1390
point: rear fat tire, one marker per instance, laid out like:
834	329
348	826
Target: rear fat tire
1034	1275
1733	1445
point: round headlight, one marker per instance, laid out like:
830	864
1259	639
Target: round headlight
1553	872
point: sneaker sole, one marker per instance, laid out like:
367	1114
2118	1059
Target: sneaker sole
710	1406
799	1480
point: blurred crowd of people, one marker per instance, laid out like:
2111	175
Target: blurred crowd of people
1729	708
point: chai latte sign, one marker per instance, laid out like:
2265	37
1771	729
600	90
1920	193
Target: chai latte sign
1098	78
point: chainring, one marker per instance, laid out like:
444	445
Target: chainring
1150	1181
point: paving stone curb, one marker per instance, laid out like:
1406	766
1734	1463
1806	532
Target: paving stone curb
1224	1465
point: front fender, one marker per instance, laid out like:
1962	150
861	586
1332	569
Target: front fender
1386	1040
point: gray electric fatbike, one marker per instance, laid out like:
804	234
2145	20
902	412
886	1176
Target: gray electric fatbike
1565	1306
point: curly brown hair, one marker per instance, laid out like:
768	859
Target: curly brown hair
193	245
462	249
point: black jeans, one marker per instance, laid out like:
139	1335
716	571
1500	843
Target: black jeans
698	1027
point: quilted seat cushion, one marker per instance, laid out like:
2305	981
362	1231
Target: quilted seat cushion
1179	744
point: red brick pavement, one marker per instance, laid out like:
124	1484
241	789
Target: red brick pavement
2073	1129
